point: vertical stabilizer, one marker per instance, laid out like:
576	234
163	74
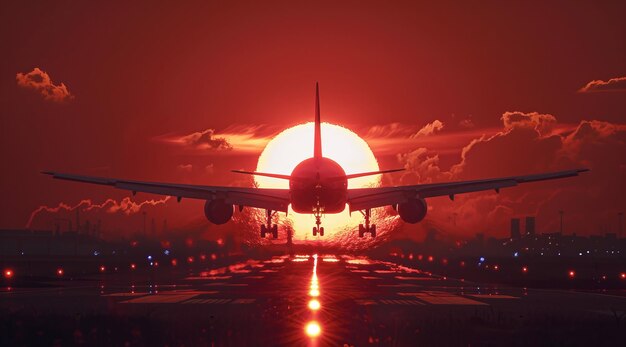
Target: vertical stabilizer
317	141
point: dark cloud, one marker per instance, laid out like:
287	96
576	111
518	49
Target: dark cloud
206	140
612	85
43	215
526	144
40	81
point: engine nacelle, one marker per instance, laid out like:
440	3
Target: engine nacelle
413	210
217	211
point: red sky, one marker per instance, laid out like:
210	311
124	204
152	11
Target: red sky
517	88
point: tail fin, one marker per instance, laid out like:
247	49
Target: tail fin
317	142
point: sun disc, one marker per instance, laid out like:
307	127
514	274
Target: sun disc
293	145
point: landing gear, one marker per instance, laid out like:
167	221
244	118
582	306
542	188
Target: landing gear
269	228
367	228
317	212
319	231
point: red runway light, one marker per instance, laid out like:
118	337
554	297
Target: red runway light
420	257
133	266
496	267
431	258
572	274
8	273
213	256
190	259
60	272
622	275
174	262
102	268
202	257
524	269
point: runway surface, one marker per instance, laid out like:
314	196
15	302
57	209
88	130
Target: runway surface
268	302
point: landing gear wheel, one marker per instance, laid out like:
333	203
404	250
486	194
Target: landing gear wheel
373	230
314	231
322	231
361	230
275	231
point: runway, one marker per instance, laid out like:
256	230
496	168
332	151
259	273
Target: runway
267	302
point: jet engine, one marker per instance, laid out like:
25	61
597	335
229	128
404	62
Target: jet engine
413	210
217	211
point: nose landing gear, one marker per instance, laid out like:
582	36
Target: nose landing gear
269	228
367	228
317	212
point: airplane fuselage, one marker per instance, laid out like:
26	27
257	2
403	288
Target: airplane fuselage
318	183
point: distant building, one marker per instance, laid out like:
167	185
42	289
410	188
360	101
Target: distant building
530	226
515	229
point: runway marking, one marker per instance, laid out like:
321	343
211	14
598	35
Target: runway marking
385	271
208	277
493	296
403	285
207	301
360	271
268	271
127	294
371	278
255	277
160	299
411	278
443	298
243	301
365	302
401	302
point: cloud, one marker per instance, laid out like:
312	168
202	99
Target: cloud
429	129
210	169
40	81
205	139
388	130
185	167
542	123
236	139
612	85
528	143
466	123
126	207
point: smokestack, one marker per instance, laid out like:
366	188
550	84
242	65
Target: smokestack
530	226
515	229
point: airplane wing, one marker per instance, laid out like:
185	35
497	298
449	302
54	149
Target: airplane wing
365	198
271	199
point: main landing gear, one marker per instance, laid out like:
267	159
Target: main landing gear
317	212
367	228
269	228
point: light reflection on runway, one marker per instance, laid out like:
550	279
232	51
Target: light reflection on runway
315	300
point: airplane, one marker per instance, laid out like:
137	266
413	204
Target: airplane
317	185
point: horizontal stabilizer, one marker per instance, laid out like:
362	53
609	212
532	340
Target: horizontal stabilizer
372	173
284	177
